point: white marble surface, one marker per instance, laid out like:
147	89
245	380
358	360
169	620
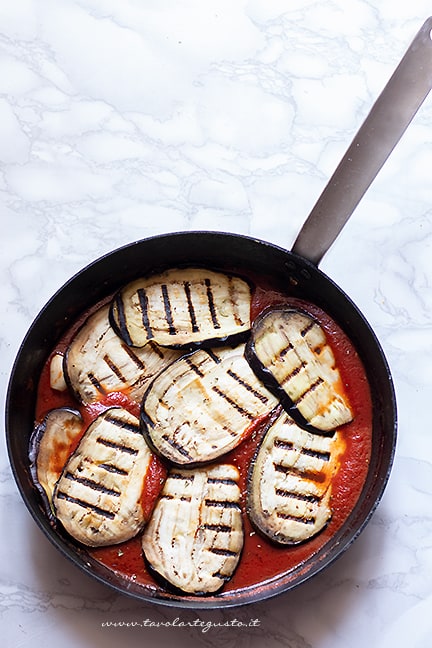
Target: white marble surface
119	120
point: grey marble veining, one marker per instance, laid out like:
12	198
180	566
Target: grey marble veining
123	120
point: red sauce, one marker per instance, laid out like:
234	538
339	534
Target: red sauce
261	559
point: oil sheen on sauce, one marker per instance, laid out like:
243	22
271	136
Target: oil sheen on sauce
261	559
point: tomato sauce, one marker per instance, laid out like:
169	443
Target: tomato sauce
261	559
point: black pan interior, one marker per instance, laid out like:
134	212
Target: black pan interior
219	250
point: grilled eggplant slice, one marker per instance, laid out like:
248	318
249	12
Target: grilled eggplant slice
288	349
202	405
98	361
50	446
98	496
290	481
195	535
181	307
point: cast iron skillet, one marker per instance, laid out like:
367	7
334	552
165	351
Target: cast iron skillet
296	269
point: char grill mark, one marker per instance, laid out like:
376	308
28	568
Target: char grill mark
116	446
195	535
220	551
222	504
300	496
90	483
233	404
168	311
135	359
220	528
177	446
86	505
143	302
111	364
296	518
113	469
191	308
95	382
211	304
123	424
262	397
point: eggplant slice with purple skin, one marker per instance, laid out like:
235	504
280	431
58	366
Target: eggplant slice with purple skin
49	449
201	406
183	307
290	482
98	496
195	535
98	361
288	350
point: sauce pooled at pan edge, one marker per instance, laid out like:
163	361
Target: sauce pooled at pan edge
261	559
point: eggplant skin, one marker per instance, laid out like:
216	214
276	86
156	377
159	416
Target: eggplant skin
98	362
183	308
290	482
289	351
48	449
98	496
202	405
195	536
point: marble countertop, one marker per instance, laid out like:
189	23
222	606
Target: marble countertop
121	120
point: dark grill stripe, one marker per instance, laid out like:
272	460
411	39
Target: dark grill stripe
117	446
311	475
154	347
95	382
167	307
301	519
195	368
222	504
221	480
310	389
90	483
114	368
220	528
121	319
176	446
233	404
191	309
308	328
313	499
318	454
86	505
211	304
219	551
124	425
285	445
182	498
262	397
232	292
113	469
294	373
289	445
224	577
286	350
143	302
180	476
137	361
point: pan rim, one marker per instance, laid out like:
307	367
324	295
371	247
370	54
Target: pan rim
262	590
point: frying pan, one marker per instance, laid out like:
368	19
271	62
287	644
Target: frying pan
297	268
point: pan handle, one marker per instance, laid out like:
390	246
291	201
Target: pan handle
389	117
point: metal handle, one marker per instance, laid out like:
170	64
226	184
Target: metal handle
389	117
